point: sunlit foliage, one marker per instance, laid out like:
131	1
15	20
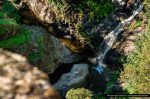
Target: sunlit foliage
136	72
79	93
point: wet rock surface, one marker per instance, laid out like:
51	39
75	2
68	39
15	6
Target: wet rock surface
19	80
77	77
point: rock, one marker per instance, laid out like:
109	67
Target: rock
129	45
74	79
123	3
61	14
42	49
53	52
119	2
19	80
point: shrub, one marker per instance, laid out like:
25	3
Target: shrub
79	93
136	72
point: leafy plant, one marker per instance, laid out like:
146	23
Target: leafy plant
79	93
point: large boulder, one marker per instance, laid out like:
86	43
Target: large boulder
19	80
42	49
77	77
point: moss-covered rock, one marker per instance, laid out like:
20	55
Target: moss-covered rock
42	49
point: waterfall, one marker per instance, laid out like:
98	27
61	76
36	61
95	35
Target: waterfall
109	40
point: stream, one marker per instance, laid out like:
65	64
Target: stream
100	70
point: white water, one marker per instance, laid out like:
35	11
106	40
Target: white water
112	36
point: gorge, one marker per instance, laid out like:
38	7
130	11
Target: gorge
112	36
76	43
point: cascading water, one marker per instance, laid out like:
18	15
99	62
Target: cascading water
100	68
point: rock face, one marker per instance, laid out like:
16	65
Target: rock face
51	12
128	46
19	80
52	51
42	49
74	79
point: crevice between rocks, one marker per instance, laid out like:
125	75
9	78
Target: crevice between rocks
62	69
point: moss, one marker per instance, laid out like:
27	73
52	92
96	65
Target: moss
33	57
8	18
6	29
7	21
8	11
2	15
7	25
38	43
16	40
16	37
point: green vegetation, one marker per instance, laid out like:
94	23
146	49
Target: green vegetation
136	72
7	27
113	79
8	11
79	93
8	19
96	9
11	32
147	7
16	40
